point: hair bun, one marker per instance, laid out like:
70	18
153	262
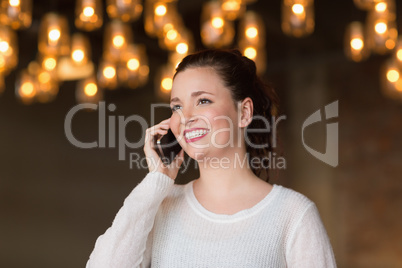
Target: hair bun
251	65
248	62
236	52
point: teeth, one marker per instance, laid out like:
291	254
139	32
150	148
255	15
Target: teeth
195	133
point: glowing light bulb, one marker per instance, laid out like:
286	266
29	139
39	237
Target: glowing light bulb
133	64
167	27
88	11
27	89
182	48
167	83
251	32
54	35
49	63
171	34
357	43
78	55
160	10
90	89
177	64
380	27
2	62
217	22
118	41
393	75
14	3
44	77
250	52
390	44
298	9
398	85
381	7
399	54
4	46
231	5
109	72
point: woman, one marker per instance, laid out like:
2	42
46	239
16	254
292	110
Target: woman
228	217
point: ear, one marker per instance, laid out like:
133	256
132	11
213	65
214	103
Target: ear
246	112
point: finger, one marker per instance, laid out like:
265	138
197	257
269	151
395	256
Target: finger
153	129
159	131
164	123
159	126
150	135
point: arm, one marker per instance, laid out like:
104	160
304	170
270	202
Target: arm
309	245
125	242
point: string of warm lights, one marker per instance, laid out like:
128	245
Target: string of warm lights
62	56
379	35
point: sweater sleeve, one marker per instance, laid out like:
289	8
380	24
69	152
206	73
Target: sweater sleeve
125	242
309	245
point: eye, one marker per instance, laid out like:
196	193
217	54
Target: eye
176	107
204	101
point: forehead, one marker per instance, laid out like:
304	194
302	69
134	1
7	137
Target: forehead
198	79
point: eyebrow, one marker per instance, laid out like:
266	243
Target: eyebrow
194	94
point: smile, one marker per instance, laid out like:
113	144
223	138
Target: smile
195	134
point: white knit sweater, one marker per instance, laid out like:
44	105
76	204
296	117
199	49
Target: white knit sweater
163	225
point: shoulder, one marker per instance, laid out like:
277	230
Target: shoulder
289	208
291	201
301	217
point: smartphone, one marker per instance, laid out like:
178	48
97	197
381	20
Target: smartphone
167	147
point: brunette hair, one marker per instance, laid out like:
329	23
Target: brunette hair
239	74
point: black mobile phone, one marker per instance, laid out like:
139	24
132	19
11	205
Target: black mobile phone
167	147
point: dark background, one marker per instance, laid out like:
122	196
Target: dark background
56	199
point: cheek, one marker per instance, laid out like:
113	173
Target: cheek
175	124
218	122
223	119
225	126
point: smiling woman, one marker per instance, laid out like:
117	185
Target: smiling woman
230	216
225	77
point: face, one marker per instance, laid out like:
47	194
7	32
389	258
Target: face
204	116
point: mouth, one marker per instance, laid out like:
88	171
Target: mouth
194	134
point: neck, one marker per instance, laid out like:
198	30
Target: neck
225	176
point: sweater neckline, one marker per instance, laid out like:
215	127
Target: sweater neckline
238	216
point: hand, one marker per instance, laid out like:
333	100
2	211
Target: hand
154	162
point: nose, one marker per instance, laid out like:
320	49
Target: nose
187	117
190	121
